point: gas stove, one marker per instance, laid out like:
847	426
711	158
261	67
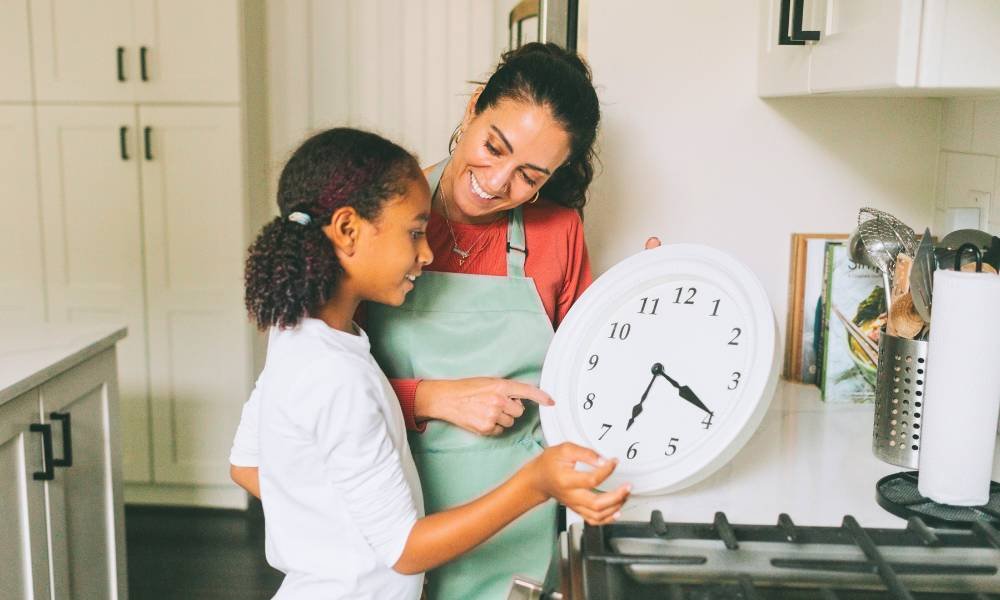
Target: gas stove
638	560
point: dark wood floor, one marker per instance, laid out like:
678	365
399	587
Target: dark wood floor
196	554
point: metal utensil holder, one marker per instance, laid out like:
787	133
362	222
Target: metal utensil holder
899	400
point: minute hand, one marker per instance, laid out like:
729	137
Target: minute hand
686	393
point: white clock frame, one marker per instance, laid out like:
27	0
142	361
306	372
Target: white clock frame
622	283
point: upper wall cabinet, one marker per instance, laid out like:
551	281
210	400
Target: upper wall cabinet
15	52
888	47
148	51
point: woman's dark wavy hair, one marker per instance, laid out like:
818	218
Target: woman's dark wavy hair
292	269
547	75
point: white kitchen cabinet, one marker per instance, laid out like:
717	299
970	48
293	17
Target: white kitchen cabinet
86	518
137	50
24	551
83	51
92	215
193	197
21	267
62	535
191	51
15	52
889	47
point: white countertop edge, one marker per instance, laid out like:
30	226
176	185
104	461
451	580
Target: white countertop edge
32	354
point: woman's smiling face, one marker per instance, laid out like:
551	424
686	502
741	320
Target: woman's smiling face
504	156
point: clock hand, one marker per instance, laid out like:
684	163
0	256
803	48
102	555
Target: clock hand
638	407
684	391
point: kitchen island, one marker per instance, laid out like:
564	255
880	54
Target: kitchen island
60	463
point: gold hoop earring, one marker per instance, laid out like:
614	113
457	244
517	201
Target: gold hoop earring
453	141
535	199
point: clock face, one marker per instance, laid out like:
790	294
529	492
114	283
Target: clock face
667	363
677	351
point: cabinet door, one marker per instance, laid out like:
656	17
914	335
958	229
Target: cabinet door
960	44
191	50
199	337
24	550
868	45
93	245
83	50
782	70
86	518
15	54
22	295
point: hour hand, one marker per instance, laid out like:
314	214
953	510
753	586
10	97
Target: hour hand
684	391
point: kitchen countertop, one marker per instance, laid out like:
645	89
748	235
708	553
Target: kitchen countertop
809	459
31	354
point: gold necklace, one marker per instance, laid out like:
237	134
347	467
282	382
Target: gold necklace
463	255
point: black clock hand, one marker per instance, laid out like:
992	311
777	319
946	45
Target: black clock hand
685	392
638	407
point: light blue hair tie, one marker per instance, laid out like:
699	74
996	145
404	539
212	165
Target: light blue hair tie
300	217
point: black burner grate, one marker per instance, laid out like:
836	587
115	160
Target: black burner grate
606	571
898	494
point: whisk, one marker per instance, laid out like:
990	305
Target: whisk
883	237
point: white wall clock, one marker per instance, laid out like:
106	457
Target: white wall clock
667	362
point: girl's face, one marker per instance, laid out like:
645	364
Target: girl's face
505	155
392	250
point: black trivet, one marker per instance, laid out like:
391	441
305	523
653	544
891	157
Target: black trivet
897	493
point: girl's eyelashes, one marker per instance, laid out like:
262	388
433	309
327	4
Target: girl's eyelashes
491	148
417	234
527	179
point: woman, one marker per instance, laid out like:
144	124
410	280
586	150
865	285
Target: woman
466	348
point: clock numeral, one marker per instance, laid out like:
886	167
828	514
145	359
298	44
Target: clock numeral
589	402
607	428
593	361
621	332
632	452
736	334
689	300
715	311
735	382
671	447
655	303
707	421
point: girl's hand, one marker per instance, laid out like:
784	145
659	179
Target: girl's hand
555	476
482	405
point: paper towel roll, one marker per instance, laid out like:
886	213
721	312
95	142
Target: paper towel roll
962	391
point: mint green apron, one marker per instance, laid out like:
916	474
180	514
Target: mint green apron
453	326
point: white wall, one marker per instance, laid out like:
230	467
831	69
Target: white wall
969	166
398	67
690	153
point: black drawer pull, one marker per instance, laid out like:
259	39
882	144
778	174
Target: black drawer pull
122	142
142	63
789	19
148	142
48	473
121	63
67	431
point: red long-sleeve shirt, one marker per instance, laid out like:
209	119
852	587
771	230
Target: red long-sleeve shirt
557	261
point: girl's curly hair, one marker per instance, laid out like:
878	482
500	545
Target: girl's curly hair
292	269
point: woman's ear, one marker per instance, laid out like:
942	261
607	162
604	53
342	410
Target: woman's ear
470	108
343	230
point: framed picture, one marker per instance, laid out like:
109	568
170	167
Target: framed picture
805	290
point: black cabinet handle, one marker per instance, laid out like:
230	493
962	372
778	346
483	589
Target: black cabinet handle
121	63
147	142
142	62
123	142
789	19
48	473
67	430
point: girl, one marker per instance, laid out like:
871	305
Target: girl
342	501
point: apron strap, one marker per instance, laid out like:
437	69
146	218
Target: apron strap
517	248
